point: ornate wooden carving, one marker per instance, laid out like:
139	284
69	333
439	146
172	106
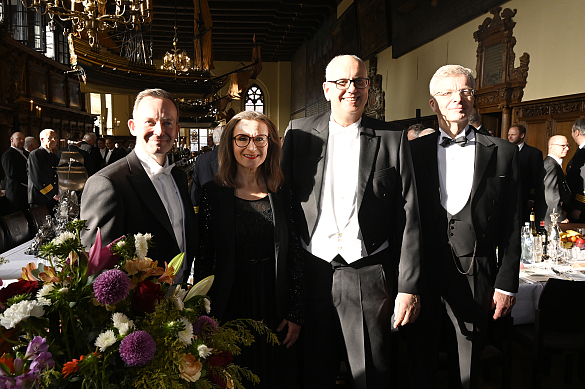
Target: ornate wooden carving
376	106
499	85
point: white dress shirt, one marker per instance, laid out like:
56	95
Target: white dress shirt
559	160
456	167
21	152
167	191
337	230
520	146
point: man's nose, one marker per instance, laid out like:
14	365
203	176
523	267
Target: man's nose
158	129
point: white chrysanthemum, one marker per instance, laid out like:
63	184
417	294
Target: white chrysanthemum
65	236
63	290
207	305
186	336
122	323
141	244
177	298
44	291
21	311
204	351
105	340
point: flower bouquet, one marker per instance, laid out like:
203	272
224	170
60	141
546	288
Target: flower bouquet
111	318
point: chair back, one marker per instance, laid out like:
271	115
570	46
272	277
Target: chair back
3	245
561	307
17	229
39	215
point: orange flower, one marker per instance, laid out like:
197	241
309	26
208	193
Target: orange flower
169	275
71	367
49	275
139	265
26	273
190	368
8	361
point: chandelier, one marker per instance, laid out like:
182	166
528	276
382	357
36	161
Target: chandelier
91	15
178	60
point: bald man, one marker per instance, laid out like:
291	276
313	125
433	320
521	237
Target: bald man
556	190
42	173
14	165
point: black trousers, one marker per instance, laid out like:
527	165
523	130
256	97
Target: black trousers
348	318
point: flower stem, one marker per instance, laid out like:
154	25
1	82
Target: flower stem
7	340
65	337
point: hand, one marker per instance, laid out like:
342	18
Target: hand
564	221
293	332
503	304
406	309
56	197
575	214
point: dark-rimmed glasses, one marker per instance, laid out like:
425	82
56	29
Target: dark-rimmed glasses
244	140
344	83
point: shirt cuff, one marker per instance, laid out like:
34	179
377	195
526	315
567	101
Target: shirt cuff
506	293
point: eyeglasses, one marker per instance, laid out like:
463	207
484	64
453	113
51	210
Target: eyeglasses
244	140
563	146
449	93
344	83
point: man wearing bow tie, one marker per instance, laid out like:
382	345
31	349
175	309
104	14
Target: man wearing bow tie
469	197
358	218
141	192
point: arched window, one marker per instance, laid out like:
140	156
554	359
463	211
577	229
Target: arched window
255	99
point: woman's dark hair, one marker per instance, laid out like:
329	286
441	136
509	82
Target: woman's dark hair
270	169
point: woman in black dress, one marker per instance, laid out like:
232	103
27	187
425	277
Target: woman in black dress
247	241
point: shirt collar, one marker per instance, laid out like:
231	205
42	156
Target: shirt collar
335	128
461	134
559	160
150	165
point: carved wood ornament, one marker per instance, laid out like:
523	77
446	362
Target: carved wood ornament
376	106
498	84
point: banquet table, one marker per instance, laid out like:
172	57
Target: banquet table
17	259
532	281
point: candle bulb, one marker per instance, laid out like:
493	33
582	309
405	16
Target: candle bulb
31	105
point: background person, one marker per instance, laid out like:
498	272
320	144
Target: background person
576	174
205	167
243	222
42	164
556	190
16	183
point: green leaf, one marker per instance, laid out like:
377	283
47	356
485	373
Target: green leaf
177	262
201	288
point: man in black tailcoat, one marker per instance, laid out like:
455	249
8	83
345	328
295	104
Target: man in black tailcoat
576	174
14	165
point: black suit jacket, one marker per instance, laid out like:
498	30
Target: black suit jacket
495	199
14	165
121	199
204	169
116	155
386	195
575	182
42	177
531	182
218	249
556	190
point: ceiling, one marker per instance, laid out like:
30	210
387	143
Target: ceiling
280	27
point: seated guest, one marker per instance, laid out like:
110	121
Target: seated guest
556	191
14	165
141	192
42	173
243	223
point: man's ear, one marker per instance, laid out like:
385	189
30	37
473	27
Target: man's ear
326	90
433	104
131	126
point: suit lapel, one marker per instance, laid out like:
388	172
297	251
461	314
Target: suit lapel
484	149
146	191
318	151
368	146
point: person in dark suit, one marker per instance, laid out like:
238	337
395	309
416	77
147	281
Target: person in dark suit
356	203
469	195
141	192
102	152
14	164
205	167
576	174
531	175
93	163
247	241
43	185
113	153
556	191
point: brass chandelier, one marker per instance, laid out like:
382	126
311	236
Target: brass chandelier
177	60
92	16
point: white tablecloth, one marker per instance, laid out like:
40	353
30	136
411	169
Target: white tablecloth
9	272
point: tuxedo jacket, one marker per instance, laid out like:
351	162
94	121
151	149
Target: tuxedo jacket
42	177
218	250
531	182
121	199
556	190
204	169
14	165
495	199
386	194
115	155
575	181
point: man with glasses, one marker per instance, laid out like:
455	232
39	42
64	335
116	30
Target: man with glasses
469	195
357	209
556	191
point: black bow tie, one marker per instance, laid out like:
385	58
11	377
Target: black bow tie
446	141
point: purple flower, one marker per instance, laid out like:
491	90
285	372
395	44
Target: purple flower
18	365
7	382
35	347
205	323
27	380
111	287
43	361
137	348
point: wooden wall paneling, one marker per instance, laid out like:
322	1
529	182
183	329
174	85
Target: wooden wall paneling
74	93
373	26
58	92
37	81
